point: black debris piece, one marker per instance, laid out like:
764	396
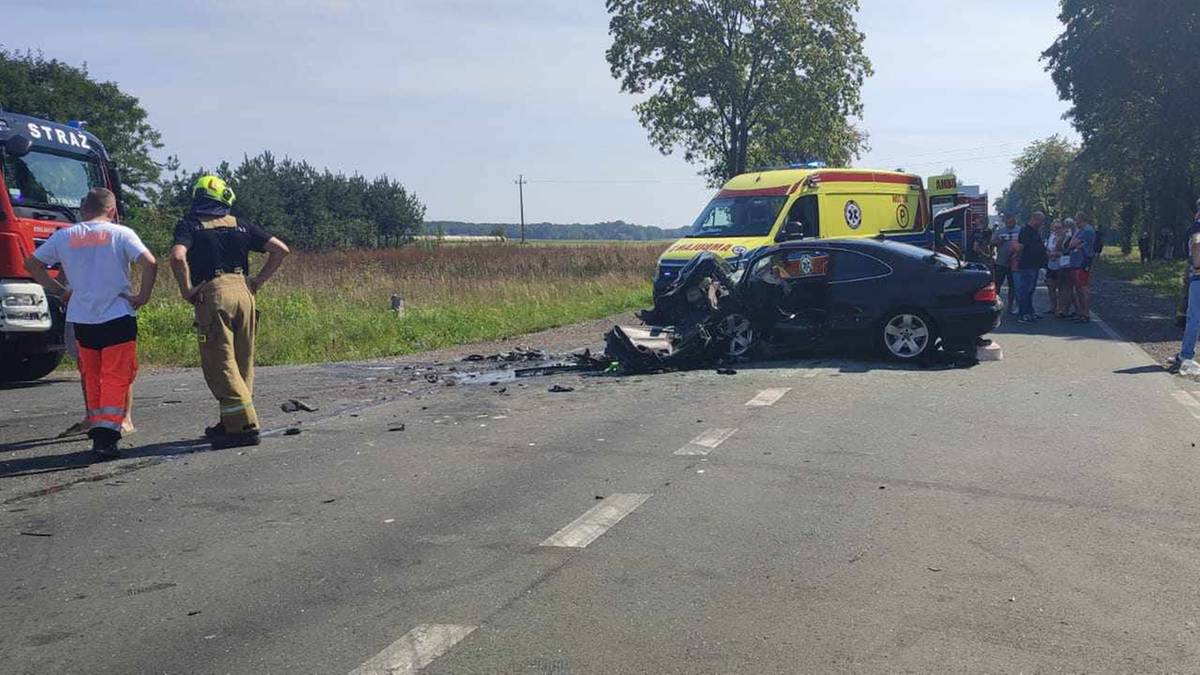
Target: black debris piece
194	612
431	377
329	501
291	431
559	389
726	371
296	405
396	427
37	534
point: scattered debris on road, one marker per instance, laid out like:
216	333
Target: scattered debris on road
292	431
560	389
296	405
396	427
37	534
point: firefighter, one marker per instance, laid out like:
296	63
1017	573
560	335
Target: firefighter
210	260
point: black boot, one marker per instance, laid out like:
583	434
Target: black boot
104	442
238	440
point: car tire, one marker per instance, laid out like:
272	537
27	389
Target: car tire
737	334
29	368
906	334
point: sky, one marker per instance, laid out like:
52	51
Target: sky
456	98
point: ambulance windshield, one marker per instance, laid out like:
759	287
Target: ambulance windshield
738	217
48	179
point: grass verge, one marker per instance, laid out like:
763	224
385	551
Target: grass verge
335	306
1162	277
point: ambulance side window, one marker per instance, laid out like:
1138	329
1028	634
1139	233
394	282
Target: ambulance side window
804	211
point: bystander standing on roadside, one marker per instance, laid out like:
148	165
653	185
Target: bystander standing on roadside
1054	245
96	254
1185	361
1083	252
1066	273
1029	260
1004	240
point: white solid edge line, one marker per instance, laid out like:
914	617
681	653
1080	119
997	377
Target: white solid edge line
706	442
417	649
596	521
1133	349
767	397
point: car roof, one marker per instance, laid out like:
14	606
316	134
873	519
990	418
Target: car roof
871	245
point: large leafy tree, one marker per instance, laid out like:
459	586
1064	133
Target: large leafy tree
1130	74
1039	179
738	83
34	85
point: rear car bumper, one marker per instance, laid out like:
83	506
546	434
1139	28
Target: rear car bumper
968	323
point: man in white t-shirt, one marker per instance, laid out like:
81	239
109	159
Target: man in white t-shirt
96	255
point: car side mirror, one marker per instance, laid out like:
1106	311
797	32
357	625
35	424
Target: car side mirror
18	145
793	229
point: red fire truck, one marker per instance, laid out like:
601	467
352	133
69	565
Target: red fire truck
48	168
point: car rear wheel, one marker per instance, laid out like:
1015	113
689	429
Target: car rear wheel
907	334
738	334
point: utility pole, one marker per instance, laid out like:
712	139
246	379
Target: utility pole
521	183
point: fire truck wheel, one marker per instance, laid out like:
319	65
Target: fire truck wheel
32	367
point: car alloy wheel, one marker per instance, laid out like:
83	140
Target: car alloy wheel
907	335
737	330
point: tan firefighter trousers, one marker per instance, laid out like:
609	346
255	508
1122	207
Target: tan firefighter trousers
225	324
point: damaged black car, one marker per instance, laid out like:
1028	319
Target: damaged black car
905	301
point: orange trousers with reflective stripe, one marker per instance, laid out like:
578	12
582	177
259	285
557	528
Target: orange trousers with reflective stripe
108	374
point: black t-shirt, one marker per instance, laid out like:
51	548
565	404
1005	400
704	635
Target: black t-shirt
1033	250
218	243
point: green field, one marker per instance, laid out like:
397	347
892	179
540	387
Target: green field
336	306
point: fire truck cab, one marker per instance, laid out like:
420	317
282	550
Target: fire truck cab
47	170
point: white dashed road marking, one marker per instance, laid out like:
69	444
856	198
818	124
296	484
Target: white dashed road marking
417	649
595	521
767	397
706	442
1188	401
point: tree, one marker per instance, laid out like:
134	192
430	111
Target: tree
1134	100
30	84
738	83
1039	173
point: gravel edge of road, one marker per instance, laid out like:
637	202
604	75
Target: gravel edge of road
1139	315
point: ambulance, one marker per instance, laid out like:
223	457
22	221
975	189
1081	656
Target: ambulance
805	202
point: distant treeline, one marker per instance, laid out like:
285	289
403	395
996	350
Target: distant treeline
306	207
616	230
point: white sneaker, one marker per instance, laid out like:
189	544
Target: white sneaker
1189	367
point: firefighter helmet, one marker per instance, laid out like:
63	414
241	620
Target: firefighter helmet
214	188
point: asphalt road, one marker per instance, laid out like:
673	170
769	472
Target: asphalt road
1036	514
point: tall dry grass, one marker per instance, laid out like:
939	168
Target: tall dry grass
336	305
